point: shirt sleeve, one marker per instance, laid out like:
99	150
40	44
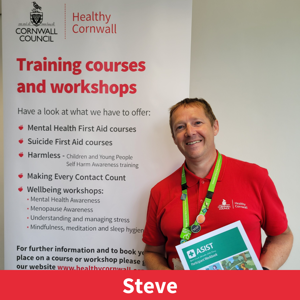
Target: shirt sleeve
275	220
152	234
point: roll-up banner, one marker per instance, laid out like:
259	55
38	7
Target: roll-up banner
87	87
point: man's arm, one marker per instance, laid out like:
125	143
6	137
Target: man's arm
154	257
276	250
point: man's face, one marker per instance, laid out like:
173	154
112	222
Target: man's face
193	133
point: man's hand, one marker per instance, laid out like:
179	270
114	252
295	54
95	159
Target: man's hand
276	250
155	258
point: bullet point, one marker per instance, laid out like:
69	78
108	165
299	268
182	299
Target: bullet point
27	217
21	127
27	199
20	175
21	141
27	207
20	189
27	226
21	154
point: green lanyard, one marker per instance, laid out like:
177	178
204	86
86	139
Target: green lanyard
187	230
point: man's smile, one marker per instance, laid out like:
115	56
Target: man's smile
194	142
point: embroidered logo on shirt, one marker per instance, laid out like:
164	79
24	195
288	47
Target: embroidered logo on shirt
239	205
224	205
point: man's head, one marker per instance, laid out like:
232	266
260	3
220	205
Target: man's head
194	127
193	102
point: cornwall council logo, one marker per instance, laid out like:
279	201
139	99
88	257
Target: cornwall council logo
36	29
224	205
36	16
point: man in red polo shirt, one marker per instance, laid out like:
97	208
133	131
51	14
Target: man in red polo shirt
243	192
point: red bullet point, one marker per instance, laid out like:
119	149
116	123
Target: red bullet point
21	141
21	127
27	207
21	154
27	217
27	227
20	189
27	199
20	175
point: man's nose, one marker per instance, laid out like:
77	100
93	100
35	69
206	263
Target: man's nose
190	130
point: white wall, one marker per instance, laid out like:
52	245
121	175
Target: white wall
245	62
1	160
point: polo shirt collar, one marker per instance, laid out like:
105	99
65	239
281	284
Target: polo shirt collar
192	179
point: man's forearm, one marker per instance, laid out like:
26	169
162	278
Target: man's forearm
276	250
155	261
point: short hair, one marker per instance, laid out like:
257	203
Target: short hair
193	102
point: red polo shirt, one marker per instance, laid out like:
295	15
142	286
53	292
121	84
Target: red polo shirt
243	192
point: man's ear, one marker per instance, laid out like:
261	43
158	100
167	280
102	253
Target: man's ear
173	138
216	127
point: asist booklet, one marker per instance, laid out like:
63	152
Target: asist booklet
227	248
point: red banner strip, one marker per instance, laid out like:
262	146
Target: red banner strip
139	284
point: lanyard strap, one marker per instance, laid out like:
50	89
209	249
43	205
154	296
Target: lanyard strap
186	231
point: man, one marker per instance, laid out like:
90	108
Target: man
243	192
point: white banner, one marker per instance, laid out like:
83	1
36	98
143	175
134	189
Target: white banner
87	87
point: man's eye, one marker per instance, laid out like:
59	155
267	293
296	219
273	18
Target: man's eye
198	122
179	127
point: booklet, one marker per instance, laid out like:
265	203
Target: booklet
227	248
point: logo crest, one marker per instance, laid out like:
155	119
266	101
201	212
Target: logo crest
36	15
224	205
